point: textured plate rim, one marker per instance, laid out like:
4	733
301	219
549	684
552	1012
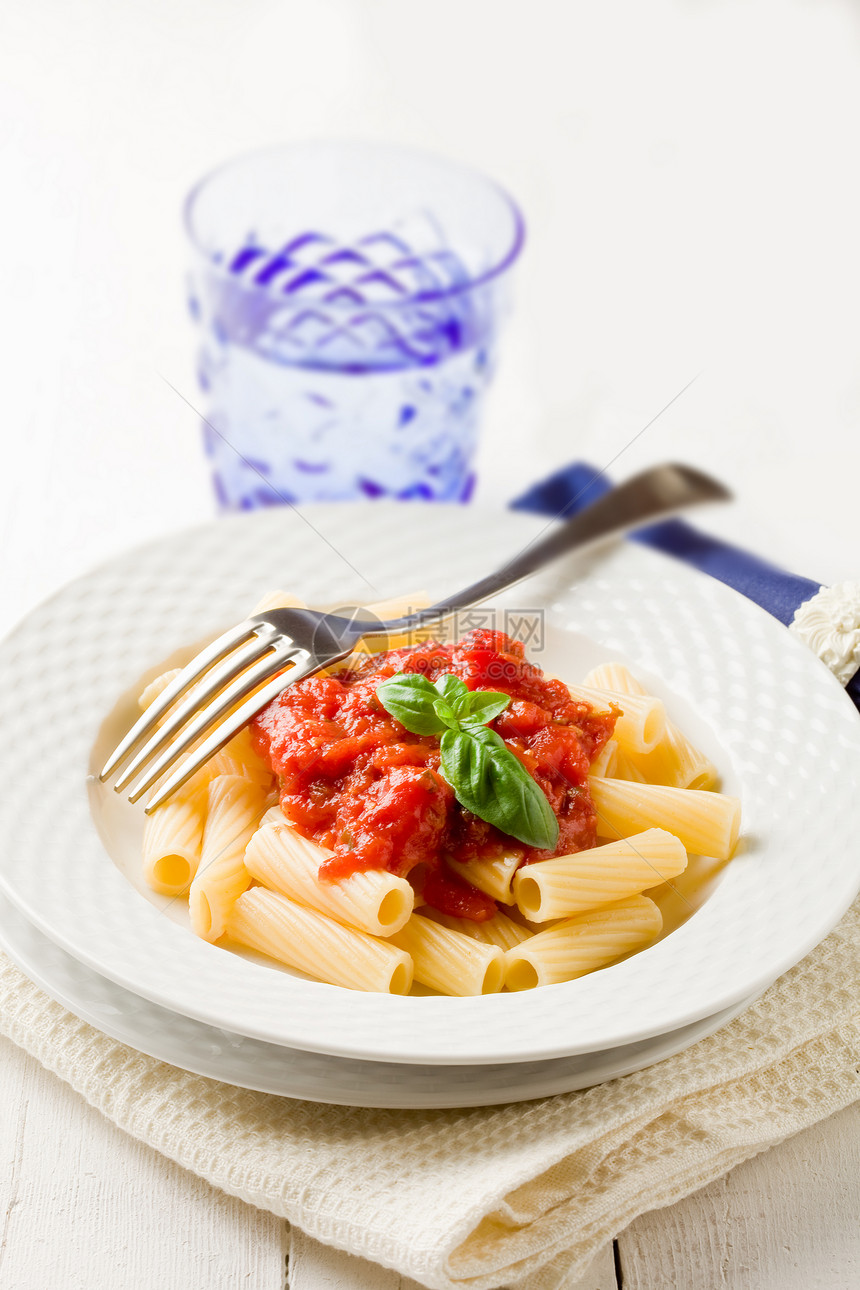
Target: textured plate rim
30	951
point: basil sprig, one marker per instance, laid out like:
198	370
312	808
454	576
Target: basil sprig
485	775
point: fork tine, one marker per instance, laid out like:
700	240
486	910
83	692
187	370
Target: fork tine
213	681
148	720
225	731
270	664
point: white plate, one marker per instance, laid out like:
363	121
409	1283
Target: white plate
770	715
315	1077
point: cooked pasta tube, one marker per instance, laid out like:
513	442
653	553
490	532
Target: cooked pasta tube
707	823
172	838
578	945
642	719
568	885
150	692
614	676
233	810
239	757
627	767
493	877
498	930
305	939
606	760
236	758
374	901
675	760
448	961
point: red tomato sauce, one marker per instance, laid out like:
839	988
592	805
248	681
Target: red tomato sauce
355	780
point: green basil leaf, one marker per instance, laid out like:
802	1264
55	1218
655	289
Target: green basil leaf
485	736
485	775
446	714
409	698
494	785
490	739
451	687
482	705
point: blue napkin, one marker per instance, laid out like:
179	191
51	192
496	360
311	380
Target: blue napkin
574	487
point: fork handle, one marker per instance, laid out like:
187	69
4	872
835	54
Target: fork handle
652	495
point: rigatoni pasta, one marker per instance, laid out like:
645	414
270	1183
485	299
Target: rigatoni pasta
641	722
499	930
628	766
302	938
375	901
257	878
233	809
449	961
674	760
606	761
677	763
493	876
150	692
613	676
172	840
239	757
707	823
571	884
579	945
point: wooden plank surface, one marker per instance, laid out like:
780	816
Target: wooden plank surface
318	1267
86	1207
788	1219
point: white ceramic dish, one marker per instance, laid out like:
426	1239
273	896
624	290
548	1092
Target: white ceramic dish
767	712
315	1077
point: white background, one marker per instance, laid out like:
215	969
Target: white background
688	172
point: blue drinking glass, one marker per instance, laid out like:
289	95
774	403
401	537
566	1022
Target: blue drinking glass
348	298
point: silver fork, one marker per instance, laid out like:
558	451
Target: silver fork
243	670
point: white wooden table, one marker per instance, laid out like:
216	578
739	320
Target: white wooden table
687	177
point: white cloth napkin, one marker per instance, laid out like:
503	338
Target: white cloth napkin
521	1195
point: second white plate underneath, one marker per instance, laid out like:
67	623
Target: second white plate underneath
290	1072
